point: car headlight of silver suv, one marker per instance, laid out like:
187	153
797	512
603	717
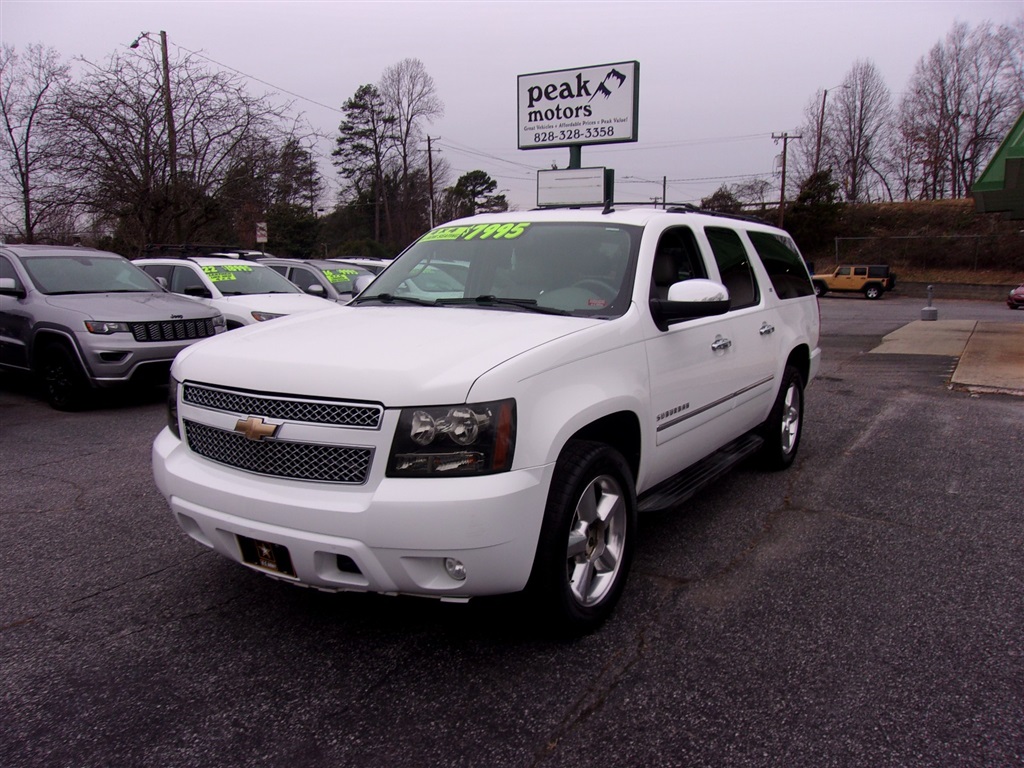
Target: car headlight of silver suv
472	439
106	327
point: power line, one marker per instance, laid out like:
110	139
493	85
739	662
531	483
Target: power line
258	80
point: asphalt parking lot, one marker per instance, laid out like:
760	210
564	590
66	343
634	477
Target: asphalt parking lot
865	608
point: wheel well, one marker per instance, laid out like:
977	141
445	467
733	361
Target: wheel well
621	431
800	358
46	339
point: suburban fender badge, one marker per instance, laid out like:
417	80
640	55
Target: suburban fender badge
254	428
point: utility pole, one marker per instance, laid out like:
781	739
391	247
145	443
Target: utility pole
430	180
172	140
172	136
785	137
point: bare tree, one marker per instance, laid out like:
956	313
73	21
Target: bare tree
962	98
753	192
409	94
30	173
858	127
119	148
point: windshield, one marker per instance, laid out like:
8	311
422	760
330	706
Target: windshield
584	270
243	278
54	275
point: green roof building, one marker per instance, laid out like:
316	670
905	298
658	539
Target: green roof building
1000	188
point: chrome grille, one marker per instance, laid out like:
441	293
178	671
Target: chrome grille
280	458
172	330
287	409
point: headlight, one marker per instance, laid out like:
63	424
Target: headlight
474	439
218	321
172	407
106	327
261	316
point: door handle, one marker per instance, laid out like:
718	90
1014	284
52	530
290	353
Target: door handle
720	343
766	328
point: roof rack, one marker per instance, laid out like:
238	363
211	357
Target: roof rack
609	207
191	250
688	208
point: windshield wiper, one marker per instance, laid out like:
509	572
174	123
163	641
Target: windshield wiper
489	300
390	298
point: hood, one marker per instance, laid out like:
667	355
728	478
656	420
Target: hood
130	307
398	356
278	303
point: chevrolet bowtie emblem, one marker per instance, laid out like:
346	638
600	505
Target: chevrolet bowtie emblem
254	428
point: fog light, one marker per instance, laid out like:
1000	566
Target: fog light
455	568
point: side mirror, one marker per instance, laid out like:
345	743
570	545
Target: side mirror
162	281
315	289
361	283
688	300
198	292
8	287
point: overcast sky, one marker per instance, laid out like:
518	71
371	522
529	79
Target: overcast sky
717	79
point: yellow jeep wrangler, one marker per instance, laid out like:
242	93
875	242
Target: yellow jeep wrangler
870	279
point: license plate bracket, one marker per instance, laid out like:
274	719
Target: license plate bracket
266	555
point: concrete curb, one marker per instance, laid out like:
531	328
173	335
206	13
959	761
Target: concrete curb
991	355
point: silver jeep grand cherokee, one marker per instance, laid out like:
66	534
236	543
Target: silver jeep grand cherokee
81	319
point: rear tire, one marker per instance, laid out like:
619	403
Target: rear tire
873	292
64	383
783	427
586	541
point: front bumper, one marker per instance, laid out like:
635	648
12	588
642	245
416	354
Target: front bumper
392	538
117	359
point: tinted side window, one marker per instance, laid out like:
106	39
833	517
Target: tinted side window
7	270
184	278
303	278
677	258
860	271
844	271
783	263
157	271
734	267
878	271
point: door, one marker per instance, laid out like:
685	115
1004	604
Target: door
15	322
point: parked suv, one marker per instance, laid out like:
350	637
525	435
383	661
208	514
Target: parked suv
872	280
243	291
592	366
80	318
320	277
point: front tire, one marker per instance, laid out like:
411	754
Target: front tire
783	427
819	289
586	541
62	378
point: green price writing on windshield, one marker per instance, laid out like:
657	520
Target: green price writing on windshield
219	272
339	275
507	231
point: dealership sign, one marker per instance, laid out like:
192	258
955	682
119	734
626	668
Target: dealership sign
591	105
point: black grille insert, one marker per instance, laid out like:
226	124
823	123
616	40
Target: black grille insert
172	330
286	409
280	458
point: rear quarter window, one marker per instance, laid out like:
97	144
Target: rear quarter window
784	265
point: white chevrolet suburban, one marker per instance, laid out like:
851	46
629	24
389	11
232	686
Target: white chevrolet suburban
501	437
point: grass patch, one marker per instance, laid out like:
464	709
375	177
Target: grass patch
1009	278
